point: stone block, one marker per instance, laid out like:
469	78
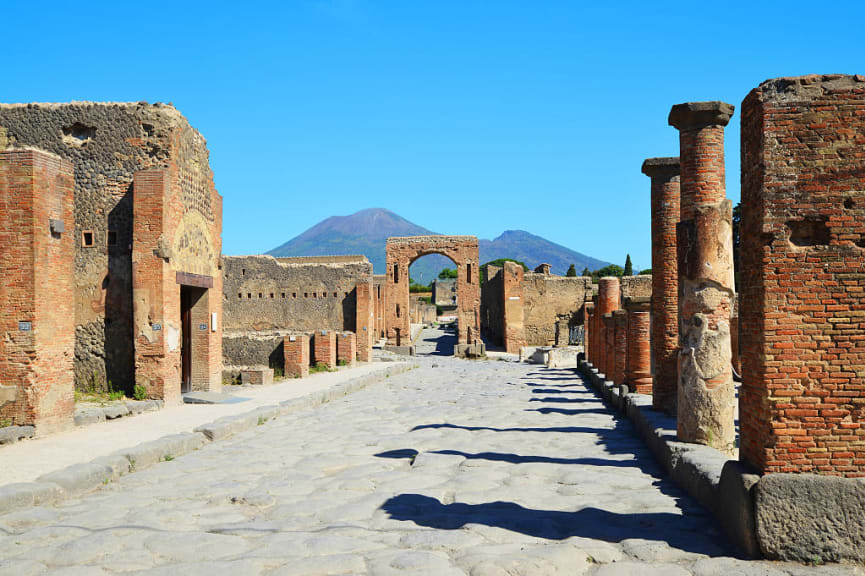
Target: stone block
400	350
736	506
257	376
26	494
12	434
473	350
809	518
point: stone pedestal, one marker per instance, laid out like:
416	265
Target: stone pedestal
706	291
664	173
638	375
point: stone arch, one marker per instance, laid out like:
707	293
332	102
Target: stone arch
463	251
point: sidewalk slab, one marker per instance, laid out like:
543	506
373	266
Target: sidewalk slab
27	461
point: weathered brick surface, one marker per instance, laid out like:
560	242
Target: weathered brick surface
589	330
107	143
704	240
257	376
802	311
324	348
609	299
346	348
665	208
638	375
37	323
365	320
608	329
296	349
620	346
402	251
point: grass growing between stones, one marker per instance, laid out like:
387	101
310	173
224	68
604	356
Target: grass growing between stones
319	367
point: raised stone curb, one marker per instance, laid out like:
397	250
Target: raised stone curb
81	478
94	414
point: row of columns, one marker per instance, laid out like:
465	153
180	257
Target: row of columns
677	345
618	336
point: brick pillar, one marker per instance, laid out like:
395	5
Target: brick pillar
589	330
664	173
37	315
324	348
706	395
608	333
595	333
801	276
620	346
608	301
365	320
296	350
512	292
346	348
638	374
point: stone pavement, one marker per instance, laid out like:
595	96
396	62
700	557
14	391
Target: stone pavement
459	467
26	461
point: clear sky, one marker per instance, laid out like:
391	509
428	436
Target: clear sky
464	117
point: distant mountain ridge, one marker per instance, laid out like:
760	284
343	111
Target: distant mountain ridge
367	231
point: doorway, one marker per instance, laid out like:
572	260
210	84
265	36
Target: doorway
186	339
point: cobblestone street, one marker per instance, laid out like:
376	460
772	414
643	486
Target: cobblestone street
457	467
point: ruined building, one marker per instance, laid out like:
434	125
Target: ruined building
521	308
267	299
113	226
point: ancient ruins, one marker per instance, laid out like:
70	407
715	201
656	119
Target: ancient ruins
114	279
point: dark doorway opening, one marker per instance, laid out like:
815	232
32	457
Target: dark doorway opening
189	297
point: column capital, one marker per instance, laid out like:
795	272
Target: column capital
696	115
665	168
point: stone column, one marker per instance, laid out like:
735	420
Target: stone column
638	374
608	333
664	173
589	330
620	346
706	394
595	334
608	301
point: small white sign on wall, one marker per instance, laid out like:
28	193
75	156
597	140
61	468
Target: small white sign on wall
213	321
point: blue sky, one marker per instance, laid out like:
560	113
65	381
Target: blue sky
464	117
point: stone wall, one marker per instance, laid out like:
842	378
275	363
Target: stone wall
548	298
107	143
444	292
800	315
529	306
266	298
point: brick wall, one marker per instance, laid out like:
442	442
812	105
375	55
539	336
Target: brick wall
803	276
346	348
37	292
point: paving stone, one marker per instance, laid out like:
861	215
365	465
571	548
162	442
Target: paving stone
446	470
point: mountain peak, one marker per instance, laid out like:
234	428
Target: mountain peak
366	232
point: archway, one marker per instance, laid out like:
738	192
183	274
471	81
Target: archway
463	251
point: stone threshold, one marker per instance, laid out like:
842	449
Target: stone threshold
79	479
805	518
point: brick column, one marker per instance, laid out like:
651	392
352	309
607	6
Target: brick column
706	394
346	348
638	374
664	173
589	330
512	306
365	320
296	350
324	348
608	301
620	346
595	334
609	351
37	290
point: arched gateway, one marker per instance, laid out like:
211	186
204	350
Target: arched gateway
402	251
